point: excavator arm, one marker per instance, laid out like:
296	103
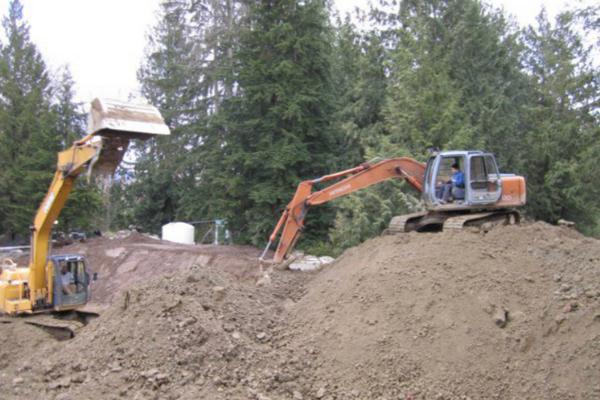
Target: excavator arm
291	222
71	163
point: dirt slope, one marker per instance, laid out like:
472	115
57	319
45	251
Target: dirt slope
191	335
511	314
124	261
420	316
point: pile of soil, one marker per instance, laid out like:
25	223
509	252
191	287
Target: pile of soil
128	259
509	314
191	335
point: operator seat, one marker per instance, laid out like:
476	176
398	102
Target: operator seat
458	193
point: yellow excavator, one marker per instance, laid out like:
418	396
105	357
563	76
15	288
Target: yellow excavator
60	284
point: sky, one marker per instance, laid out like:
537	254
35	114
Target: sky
102	41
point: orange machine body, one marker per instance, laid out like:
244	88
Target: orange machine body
513	192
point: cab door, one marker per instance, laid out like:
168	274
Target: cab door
485	186
429	187
78	287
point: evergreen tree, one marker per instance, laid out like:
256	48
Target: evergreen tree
278	130
455	79
452	81
563	134
216	27
38	118
84	208
69	115
170	80
28	139
363	87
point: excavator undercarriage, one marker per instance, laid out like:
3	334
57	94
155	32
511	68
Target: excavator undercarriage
436	221
62	325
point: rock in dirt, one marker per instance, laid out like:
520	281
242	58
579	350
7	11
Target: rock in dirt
17	381
570	307
219	292
64	382
310	263
500	317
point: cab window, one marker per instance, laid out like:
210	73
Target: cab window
445	168
484	173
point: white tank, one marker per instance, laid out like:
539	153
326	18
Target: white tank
178	232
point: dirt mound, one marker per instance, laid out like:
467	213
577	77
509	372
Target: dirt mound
197	334
514	313
124	261
16	335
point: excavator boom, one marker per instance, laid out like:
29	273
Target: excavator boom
360	177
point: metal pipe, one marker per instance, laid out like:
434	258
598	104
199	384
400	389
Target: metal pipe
264	253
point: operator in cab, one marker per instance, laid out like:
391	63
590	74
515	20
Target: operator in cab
455	187
67	280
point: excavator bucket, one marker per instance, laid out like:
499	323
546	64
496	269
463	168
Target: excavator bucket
125	120
116	123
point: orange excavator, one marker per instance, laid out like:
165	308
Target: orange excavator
483	196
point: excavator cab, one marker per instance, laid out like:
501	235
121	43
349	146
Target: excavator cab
482	181
71	281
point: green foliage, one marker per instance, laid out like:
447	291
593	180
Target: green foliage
84	208
367	213
169	78
38	118
28	142
262	95
562	122
455	80
278	130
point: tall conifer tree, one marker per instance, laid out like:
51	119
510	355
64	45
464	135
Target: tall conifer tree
562	121
28	138
279	129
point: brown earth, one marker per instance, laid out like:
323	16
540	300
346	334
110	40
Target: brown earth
510	314
124	261
130	257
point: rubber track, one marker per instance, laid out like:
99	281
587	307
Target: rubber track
67	328
458	223
398	223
